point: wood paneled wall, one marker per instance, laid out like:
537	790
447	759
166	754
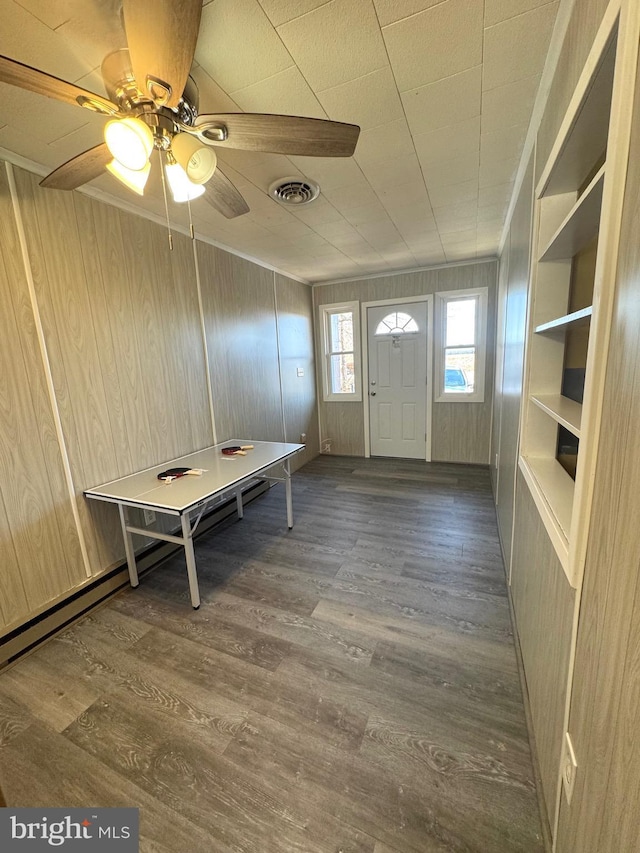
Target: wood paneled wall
517	262
39	546
239	312
120	380
460	431
543	603
294	304
605	706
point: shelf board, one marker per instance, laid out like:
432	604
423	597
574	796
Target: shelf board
580	225
583	136
559	324
564	411
553	491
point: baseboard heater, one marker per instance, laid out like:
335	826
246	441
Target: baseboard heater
51	621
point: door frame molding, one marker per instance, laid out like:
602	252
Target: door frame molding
364	342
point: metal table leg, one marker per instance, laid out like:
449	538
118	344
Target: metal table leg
187	540
287	488
239	503
128	547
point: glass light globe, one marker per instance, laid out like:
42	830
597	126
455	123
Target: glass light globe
130	141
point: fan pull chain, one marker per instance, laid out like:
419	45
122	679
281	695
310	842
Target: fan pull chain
166	204
191	231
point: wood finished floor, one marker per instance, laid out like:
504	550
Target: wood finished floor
349	686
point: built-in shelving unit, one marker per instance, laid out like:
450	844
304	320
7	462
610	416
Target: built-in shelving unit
562	309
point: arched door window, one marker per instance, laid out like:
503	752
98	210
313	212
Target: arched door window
397	323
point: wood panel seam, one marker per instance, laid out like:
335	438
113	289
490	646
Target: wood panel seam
203	330
46	366
279	355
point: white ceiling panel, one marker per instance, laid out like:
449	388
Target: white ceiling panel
509	104
226	29
488	196
454	193
422	49
457	140
390	11
444	102
502	144
281	11
335	43
498	173
329	172
443	173
442	89
386	142
517	47
382	174
367	101
286	93
374	211
499	10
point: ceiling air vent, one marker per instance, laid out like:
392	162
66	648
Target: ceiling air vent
294	190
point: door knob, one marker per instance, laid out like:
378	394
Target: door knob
373	393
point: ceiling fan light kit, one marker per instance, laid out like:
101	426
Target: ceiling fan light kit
198	161
182	189
134	179
130	141
153	103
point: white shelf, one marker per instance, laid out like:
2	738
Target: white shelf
580	225
564	411
559	324
583	137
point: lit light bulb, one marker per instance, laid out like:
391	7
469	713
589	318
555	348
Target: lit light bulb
130	141
182	189
134	179
198	161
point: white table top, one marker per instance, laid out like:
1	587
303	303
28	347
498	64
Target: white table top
221	473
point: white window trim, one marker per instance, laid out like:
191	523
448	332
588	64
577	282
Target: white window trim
325	311
482	295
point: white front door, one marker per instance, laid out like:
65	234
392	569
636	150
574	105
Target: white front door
397	341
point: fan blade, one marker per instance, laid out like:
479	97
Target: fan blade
162	36
80	170
312	137
222	195
17	74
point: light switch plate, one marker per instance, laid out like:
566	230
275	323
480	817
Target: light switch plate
300	371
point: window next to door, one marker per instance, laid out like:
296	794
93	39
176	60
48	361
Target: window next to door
341	374
460	343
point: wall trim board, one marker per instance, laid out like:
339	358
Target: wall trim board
203	330
73	606
100	195
44	354
492	259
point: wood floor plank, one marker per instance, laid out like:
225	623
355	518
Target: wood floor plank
217	633
301	630
48	770
246	812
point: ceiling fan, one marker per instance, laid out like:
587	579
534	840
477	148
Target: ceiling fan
153	104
